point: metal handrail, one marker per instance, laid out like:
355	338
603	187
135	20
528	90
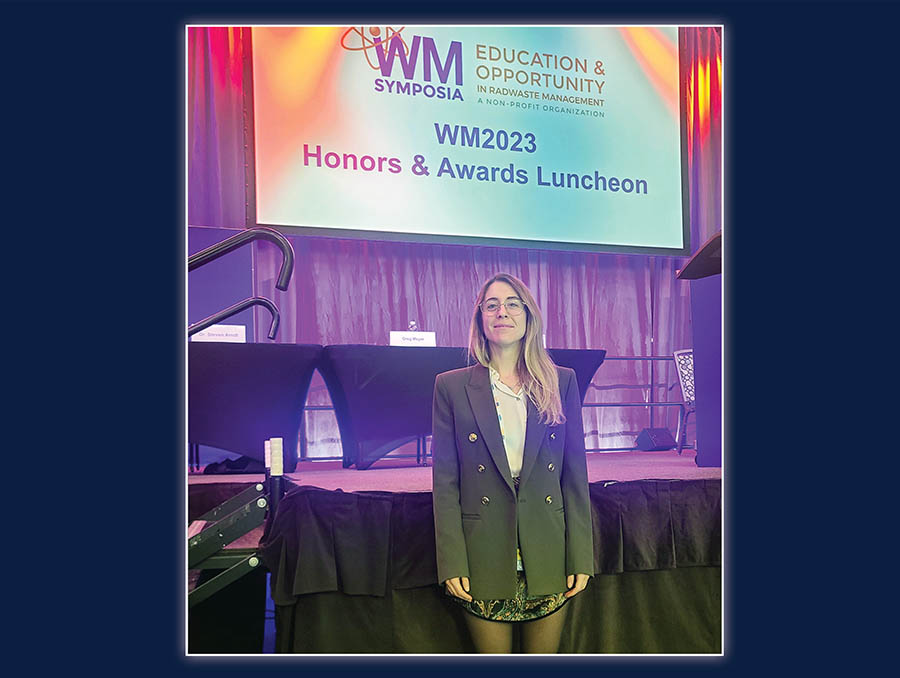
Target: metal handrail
639	357
680	405
239	240
237	308
652	359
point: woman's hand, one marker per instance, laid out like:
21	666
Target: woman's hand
576	584
459	587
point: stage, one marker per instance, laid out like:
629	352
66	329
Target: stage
405	475
351	556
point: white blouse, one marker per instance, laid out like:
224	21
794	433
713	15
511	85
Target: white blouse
512	414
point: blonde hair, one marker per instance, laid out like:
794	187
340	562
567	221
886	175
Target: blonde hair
535	368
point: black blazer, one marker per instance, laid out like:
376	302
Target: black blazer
476	508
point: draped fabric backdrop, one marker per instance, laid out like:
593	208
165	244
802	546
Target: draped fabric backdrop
347	291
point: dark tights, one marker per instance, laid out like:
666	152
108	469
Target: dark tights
540	636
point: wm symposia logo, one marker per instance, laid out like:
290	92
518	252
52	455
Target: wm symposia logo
419	62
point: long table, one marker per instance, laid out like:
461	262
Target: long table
242	394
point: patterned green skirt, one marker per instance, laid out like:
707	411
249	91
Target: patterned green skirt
522	607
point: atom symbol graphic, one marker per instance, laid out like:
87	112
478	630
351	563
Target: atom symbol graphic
372	40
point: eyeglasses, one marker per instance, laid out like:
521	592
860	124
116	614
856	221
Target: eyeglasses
492	306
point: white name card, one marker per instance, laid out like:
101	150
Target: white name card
277	450
413	339
234	334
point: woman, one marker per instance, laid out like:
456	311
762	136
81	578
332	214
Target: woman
511	508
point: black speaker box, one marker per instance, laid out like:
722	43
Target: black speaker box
655	439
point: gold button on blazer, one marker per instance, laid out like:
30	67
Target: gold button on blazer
477	539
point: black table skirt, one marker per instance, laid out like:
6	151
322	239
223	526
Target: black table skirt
240	395
356	572
655	612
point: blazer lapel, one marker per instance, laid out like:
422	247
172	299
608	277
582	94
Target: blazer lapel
481	400
534	437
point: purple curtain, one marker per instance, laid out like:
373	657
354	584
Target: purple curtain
701	70
215	137
348	291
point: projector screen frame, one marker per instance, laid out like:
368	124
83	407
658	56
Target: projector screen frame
249	134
